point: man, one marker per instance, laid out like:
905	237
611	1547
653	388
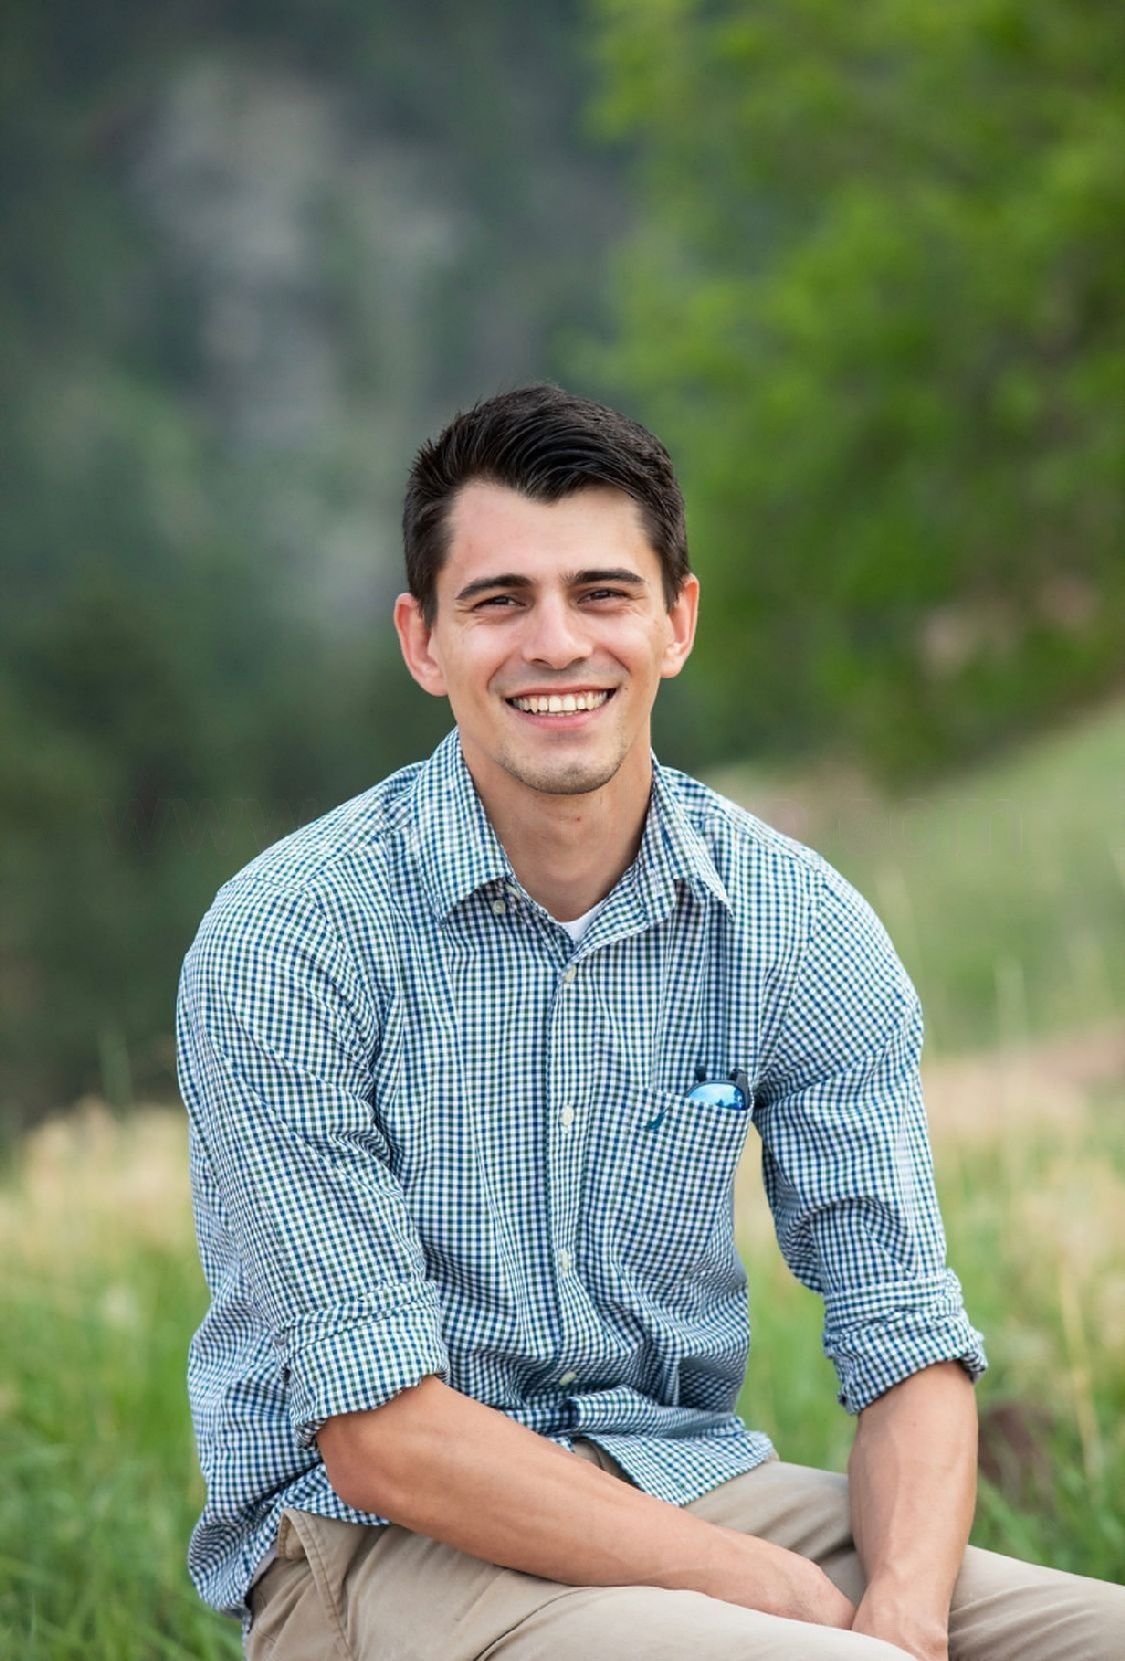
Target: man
470	1062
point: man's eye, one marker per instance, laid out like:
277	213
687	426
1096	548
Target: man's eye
501	602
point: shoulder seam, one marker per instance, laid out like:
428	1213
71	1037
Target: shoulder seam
816	907
747	823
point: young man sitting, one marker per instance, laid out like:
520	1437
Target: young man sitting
470	1062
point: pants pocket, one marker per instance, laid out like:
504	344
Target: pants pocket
327	1547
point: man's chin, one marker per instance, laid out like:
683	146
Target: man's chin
579	777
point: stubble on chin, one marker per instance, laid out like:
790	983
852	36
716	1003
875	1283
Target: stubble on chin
560	778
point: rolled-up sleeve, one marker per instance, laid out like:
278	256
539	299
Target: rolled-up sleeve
276	1032
846	1155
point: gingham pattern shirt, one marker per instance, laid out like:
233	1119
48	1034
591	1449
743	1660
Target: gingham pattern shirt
430	1134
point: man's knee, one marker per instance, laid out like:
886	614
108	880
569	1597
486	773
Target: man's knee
1004	1609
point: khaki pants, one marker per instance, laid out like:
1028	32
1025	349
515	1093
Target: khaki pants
347	1592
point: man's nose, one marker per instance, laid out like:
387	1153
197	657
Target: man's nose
554	634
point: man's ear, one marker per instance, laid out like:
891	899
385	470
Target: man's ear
414	639
682	615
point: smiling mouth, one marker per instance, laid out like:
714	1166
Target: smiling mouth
558	704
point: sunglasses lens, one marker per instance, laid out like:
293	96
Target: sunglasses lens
716	1095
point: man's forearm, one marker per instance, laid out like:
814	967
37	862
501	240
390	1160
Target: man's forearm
912	1480
446	1466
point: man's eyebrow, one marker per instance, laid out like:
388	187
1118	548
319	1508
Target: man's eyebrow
508	579
616	575
572	579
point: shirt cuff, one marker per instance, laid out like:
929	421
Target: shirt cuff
360	1367
872	1358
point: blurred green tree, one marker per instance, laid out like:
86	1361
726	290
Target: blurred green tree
873	305
251	255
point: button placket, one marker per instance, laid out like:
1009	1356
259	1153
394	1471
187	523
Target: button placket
563	1150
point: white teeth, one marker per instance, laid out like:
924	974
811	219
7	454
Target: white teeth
560	703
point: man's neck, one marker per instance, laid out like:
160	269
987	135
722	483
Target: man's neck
569	851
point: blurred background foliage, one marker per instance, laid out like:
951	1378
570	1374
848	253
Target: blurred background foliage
880	252
253	255
857	268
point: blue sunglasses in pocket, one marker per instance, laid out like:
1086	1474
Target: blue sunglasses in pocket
733	1092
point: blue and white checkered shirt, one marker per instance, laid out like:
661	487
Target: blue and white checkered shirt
430	1134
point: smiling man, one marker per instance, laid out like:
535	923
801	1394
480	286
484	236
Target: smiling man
470	1063
549	628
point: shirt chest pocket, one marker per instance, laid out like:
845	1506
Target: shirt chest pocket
663	1191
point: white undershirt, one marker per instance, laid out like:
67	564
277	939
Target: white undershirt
577	927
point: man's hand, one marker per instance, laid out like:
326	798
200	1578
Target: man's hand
799	1590
897	1621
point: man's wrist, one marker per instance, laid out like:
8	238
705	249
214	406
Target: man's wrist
887	1610
907	1584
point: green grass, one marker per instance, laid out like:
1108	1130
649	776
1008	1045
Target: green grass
1004	890
100	1485
100	1489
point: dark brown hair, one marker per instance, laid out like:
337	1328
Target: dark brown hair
547	444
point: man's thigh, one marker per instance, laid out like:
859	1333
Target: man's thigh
361	1594
1002	1610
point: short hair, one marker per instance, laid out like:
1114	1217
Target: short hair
546	443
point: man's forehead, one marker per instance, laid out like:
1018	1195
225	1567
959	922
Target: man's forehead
596	526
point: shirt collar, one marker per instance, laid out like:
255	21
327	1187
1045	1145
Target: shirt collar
460	852
683	852
458	849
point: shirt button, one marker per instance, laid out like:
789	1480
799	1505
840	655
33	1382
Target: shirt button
567	1117
568	1378
499	907
565	1260
513	892
570	974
